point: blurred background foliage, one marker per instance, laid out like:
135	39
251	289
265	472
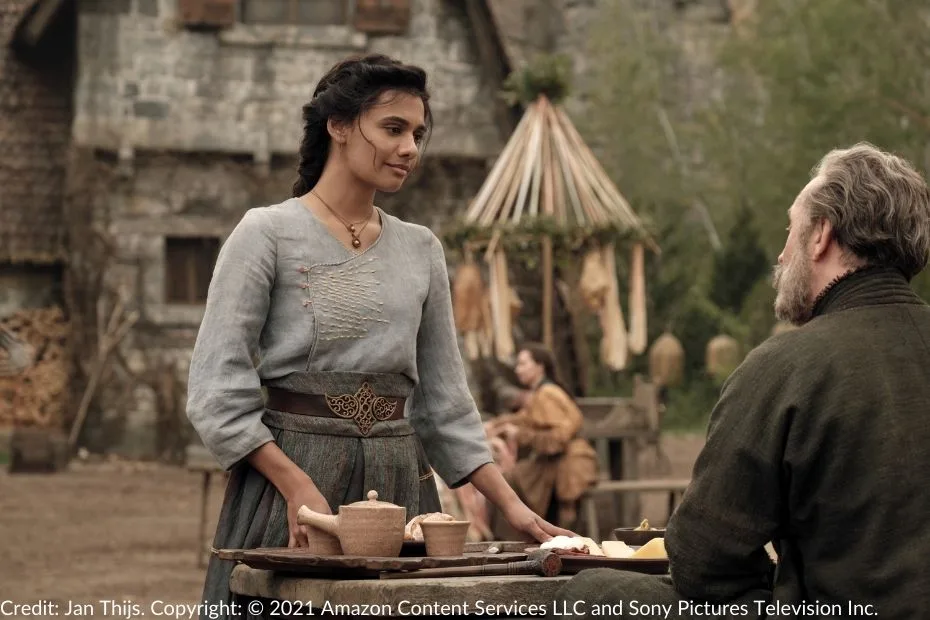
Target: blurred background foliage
714	165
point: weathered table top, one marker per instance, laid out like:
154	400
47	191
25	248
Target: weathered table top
472	595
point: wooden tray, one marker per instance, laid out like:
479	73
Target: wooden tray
504	546
572	564
413	549
296	560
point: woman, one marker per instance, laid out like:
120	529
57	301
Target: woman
348	313
561	465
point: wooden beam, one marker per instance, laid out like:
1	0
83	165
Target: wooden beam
547	291
494	60
36	21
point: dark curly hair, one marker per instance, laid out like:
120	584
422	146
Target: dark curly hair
346	91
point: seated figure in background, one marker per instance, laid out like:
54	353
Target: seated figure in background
560	465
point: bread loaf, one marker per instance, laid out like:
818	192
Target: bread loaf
414	533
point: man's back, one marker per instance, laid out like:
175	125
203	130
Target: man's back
836	417
857	459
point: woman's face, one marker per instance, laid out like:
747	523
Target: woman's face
382	146
528	370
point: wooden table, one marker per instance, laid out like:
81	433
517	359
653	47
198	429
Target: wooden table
294	595
200	461
618	428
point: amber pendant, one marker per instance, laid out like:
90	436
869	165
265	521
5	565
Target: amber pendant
356	242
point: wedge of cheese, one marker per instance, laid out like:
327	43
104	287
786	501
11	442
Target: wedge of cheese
592	546
616	549
652	550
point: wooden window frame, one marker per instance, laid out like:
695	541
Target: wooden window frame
293	14
196	276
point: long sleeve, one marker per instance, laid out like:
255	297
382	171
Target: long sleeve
225	402
442	409
716	537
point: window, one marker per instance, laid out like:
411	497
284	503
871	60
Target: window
188	267
382	16
303	12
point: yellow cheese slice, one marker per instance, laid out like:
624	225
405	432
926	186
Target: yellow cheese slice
616	549
652	550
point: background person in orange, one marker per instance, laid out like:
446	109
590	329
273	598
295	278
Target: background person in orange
560	465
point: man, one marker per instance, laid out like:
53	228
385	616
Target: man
820	441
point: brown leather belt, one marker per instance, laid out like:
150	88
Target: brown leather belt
364	407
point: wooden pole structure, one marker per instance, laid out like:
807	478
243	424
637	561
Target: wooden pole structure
547	269
547	170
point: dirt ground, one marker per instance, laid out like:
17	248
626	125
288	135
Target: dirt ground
128	531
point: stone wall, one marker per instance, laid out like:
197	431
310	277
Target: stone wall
28	286
697	24
147	83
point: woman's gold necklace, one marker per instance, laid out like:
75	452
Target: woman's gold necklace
356	242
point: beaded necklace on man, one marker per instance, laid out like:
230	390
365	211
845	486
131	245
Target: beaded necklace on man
356	242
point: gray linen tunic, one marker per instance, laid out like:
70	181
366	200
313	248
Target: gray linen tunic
318	318
289	294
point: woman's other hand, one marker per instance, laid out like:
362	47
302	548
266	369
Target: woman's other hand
524	520
509	431
304	495
294	485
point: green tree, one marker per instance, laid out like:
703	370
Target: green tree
740	264
807	76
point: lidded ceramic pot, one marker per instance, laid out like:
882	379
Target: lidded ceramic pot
369	528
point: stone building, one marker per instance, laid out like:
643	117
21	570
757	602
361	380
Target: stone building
191	110
36	93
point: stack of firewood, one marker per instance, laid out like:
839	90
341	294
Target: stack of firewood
33	368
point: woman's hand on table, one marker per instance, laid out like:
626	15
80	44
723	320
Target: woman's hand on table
294	485
524	520
306	494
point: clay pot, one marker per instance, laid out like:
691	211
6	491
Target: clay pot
321	543
444	538
367	528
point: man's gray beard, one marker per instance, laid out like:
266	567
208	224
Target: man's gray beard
792	301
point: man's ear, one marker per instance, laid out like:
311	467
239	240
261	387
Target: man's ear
821	237
338	131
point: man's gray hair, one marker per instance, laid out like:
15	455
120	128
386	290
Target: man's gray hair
878	205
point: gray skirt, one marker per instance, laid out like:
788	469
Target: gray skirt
343	464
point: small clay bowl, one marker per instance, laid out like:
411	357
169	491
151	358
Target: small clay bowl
444	538
637	538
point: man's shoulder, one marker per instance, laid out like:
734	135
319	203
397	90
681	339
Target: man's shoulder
782	348
825	341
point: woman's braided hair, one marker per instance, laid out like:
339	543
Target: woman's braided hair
346	91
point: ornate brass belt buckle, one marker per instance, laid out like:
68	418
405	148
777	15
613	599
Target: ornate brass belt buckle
364	407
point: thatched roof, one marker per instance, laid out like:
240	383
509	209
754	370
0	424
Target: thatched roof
547	170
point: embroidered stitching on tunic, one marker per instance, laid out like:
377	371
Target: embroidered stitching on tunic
364	407
346	300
